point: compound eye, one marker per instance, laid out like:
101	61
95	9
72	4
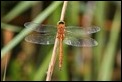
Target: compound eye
61	22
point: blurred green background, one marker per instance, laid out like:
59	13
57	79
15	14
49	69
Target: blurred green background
23	61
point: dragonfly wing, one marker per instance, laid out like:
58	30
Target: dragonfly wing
80	42
41	28
40	39
82	30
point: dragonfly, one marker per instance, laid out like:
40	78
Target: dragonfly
70	35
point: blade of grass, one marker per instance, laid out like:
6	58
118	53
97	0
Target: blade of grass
21	7
4	76
40	18
100	18
12	28
105	73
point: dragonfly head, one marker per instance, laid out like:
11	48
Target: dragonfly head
60	22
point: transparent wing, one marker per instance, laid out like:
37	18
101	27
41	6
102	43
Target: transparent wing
80	42
41	28
40	39
82	30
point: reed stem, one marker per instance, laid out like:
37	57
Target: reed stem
54	55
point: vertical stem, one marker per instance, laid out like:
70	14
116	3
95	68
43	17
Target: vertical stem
53	58
5	69
106	68
63	10
52	62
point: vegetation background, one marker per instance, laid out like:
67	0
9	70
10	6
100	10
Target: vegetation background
21	60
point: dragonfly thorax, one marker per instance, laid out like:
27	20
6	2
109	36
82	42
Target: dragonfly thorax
61	29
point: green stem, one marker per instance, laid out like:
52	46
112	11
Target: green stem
21	7
12	28
106	69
